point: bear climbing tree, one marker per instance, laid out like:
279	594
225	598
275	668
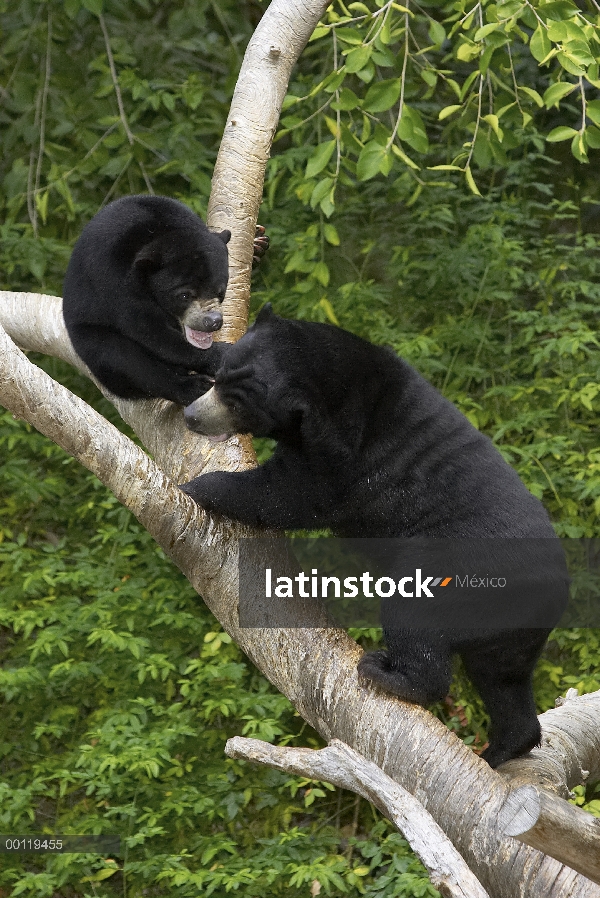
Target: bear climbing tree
315	668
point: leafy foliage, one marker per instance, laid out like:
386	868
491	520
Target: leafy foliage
118	688
435	88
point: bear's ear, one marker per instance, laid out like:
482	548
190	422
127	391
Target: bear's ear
225	236
148	258
265	314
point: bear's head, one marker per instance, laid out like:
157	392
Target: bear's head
293	381
253	392
185	271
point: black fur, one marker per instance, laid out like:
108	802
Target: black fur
134	274
367	448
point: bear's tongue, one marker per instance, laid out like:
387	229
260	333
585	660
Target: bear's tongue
201	339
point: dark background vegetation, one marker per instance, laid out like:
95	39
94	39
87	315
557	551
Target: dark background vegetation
118	687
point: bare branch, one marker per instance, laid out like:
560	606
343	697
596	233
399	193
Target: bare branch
343	767
556	827
117	87
239	172
570	751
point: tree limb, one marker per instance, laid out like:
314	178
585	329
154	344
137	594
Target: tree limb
556	827
239	172
343	767
570	751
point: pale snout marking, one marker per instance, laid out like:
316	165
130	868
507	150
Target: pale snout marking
200	320
209	416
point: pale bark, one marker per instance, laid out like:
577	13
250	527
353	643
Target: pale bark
240	168
570	749
316	669
345	768
551	824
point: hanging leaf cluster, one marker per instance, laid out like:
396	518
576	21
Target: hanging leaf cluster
405	83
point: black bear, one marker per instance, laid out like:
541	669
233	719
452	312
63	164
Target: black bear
142	297
367	448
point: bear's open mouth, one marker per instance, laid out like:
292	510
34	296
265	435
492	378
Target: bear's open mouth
201	339
220	438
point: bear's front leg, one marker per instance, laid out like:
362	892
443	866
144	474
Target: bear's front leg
258	498
413	670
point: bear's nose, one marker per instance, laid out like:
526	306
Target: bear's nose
211	321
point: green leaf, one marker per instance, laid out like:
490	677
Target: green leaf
331	235
561	133
467	51
565	31
347	100
579	52
485	59
399	152
333	126
437	32
367	74
102	874
72	7
320	31
382	95
320	191
569	64
349	36
492	120
444	168
416	194
504	109
41	202
357	59
94	6
471	181
321	273
386	30
370	160
412	129
578	147
447	111
320	158
593	137
533	94
481	33
429	77
540	44
333	81
556	92
329	311
507	8
592	110
468	83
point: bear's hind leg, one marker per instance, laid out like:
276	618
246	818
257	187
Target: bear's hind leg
415	672
508	697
